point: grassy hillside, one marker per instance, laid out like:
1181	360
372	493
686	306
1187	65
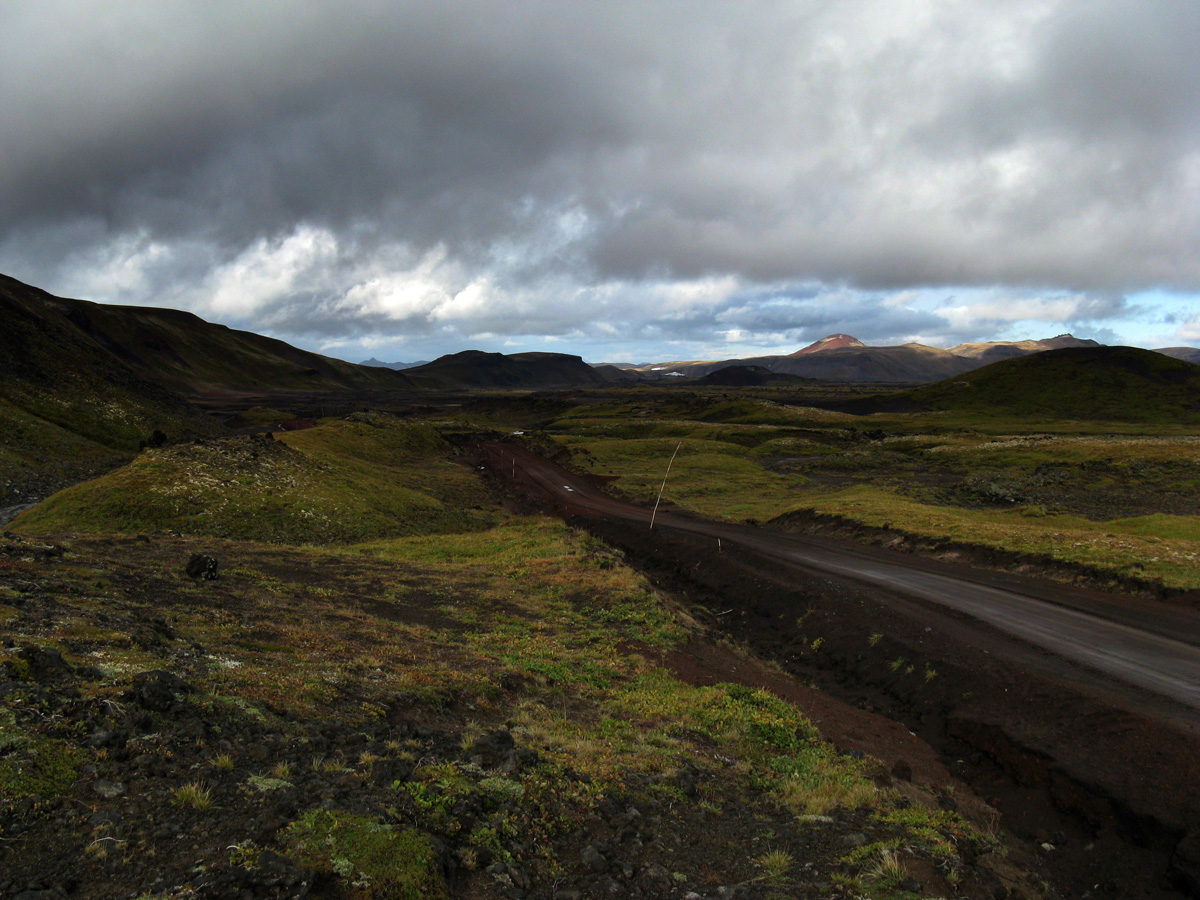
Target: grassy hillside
54	370
184	352
167	348
1123	384
369	476
70	409
37	457
83	385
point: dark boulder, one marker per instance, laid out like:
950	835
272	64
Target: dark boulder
497	750
491	750
45	663
157	691
202	566
156	439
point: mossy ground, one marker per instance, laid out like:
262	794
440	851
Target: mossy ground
366	673
37	456
529	626
356	479
32	765
386	861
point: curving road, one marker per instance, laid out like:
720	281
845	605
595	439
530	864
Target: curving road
1148	646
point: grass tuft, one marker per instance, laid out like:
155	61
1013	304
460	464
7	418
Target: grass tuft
194	796
774	865
223	762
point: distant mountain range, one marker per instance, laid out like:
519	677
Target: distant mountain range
838	358
57	345
843	358
83	385
393	365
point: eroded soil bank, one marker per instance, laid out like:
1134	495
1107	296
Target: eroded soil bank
1107	793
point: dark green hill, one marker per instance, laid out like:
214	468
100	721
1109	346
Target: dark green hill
83	385
529	371
750	376
167	347
613	373
183	352
1122	384
55	366
69	407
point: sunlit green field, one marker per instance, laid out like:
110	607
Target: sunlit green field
713	477
1119	496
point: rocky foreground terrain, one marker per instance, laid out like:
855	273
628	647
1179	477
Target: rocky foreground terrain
220	719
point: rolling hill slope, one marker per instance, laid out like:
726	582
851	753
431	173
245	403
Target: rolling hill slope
70	408
1122	384
1188	354
181	351
84	385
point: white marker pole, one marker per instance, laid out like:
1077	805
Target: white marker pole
664	484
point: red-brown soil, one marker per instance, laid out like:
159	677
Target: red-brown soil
1103	783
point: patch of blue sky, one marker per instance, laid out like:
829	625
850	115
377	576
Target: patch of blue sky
1167	319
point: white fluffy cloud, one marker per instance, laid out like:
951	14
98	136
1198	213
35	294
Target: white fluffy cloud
1190	330
623	175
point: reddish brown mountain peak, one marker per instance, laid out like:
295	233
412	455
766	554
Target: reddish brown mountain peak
832	342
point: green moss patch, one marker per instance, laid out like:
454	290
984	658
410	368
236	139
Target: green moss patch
369	858
31	765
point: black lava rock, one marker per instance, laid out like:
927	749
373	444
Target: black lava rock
203	567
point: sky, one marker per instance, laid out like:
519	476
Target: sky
625	181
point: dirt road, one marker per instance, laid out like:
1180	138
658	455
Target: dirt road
1074	713
1148	647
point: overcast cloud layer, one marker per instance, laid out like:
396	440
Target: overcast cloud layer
621	180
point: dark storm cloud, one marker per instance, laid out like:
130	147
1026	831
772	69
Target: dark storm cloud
558	168
428	119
